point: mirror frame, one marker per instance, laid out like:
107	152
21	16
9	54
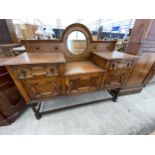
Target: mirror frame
76	27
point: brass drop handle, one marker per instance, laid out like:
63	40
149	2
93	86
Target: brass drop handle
113	66
129	65
23	72
52	70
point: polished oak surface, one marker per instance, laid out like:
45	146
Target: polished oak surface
115	55
36	58
83	67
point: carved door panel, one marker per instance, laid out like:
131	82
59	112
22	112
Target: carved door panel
39	88
115	79
82	83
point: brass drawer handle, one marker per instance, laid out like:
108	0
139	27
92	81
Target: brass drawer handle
56	47
113	66
22	74
52	71
37	48
129	65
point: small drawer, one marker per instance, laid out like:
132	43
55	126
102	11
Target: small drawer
120	64
36	71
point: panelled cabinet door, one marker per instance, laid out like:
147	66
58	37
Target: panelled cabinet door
42	87
117	73
115	79
82	83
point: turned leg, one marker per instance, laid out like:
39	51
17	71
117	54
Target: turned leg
36	111
115	95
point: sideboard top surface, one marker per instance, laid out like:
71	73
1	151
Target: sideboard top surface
115	55
35	58
83	67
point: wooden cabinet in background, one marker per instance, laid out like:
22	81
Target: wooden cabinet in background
11	101
7	32
142	44
151	76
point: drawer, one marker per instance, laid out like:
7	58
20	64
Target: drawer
25	72
120	64
83	83
42	87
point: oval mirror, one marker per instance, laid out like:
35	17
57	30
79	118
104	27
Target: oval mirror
76	42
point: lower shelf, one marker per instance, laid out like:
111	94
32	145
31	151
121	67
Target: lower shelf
63	103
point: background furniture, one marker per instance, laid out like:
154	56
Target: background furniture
19	50
7	49
142	44
11	101
7	32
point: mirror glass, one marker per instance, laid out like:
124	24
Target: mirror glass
76	42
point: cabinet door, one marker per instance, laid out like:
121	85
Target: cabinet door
115	79
83	83
117	73
42	87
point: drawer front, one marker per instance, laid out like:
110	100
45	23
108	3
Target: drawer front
83	83
115	79
120	64
42	87
25	72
